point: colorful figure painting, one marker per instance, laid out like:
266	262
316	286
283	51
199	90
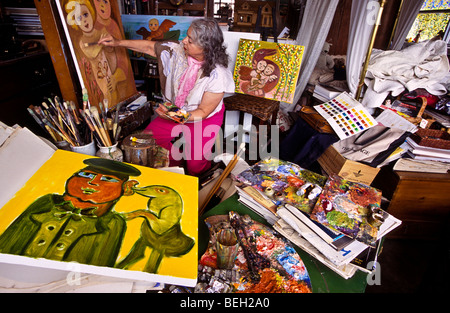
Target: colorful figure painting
105	71
267	69
113	218
155	28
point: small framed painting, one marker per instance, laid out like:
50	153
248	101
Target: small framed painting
267	69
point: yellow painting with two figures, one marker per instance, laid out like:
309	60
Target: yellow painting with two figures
112	218
267	69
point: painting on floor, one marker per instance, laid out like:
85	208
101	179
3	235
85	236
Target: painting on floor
112	218
105	72
267	69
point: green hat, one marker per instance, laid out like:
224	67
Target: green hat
110	167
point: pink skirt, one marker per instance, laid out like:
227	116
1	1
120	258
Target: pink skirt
199	139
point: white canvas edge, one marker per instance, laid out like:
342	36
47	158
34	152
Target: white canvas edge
98	270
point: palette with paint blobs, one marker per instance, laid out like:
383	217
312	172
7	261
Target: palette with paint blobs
346	116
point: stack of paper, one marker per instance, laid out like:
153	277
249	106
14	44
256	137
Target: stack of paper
346	116
419	152
340	229
259	203
325	93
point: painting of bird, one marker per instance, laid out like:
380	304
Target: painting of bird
161	230
157	31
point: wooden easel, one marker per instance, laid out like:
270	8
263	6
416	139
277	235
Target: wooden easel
59	51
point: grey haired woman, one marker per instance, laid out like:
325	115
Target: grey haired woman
194	77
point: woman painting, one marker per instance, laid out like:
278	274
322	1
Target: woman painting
194	77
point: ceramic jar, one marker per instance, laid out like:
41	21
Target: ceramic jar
111	152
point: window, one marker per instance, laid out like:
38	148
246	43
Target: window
432	19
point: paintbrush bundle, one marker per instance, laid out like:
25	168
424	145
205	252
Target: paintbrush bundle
103	123
64	122
61	121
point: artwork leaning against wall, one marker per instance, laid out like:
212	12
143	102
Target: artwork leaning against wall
432	21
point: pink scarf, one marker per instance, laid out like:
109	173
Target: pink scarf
187	81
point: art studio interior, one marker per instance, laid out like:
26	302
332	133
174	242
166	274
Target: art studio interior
226	146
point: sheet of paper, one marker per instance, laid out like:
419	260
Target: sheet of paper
22	154
232	42
391	119
346	116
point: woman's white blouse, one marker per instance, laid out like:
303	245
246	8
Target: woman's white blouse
172	63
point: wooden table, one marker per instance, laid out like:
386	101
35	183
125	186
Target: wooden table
420	200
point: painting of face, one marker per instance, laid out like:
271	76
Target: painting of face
269	69
103	8
261	66
94	187
153	24
84	19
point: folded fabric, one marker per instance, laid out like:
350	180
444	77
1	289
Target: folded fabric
422	65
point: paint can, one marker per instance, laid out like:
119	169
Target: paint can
269	192
376	218
111	152
227	247
88	149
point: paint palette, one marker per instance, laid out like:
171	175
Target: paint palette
346	116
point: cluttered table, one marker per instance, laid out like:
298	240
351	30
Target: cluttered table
323	279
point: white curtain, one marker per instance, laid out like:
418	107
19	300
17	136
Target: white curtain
313	32
362	22
408	14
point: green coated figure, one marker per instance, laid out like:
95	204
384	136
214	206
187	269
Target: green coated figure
79	225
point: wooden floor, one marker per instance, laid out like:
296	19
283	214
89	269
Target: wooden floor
414	266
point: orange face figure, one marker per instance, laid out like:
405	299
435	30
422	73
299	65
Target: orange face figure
153	24
103	8
96	188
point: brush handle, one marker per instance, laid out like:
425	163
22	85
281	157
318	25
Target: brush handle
94	124
222	177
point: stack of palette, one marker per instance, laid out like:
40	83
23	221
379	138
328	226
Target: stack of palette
346	116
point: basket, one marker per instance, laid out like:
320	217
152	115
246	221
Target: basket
432	138
260	107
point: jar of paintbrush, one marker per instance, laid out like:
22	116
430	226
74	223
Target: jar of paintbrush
108	133
64	125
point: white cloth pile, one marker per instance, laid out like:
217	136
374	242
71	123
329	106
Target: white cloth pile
422	65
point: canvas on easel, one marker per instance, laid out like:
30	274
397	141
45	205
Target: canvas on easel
267	69
155	28
105	72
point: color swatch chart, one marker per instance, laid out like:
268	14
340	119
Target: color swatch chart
346	116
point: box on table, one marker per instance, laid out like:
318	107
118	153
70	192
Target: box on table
332	161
